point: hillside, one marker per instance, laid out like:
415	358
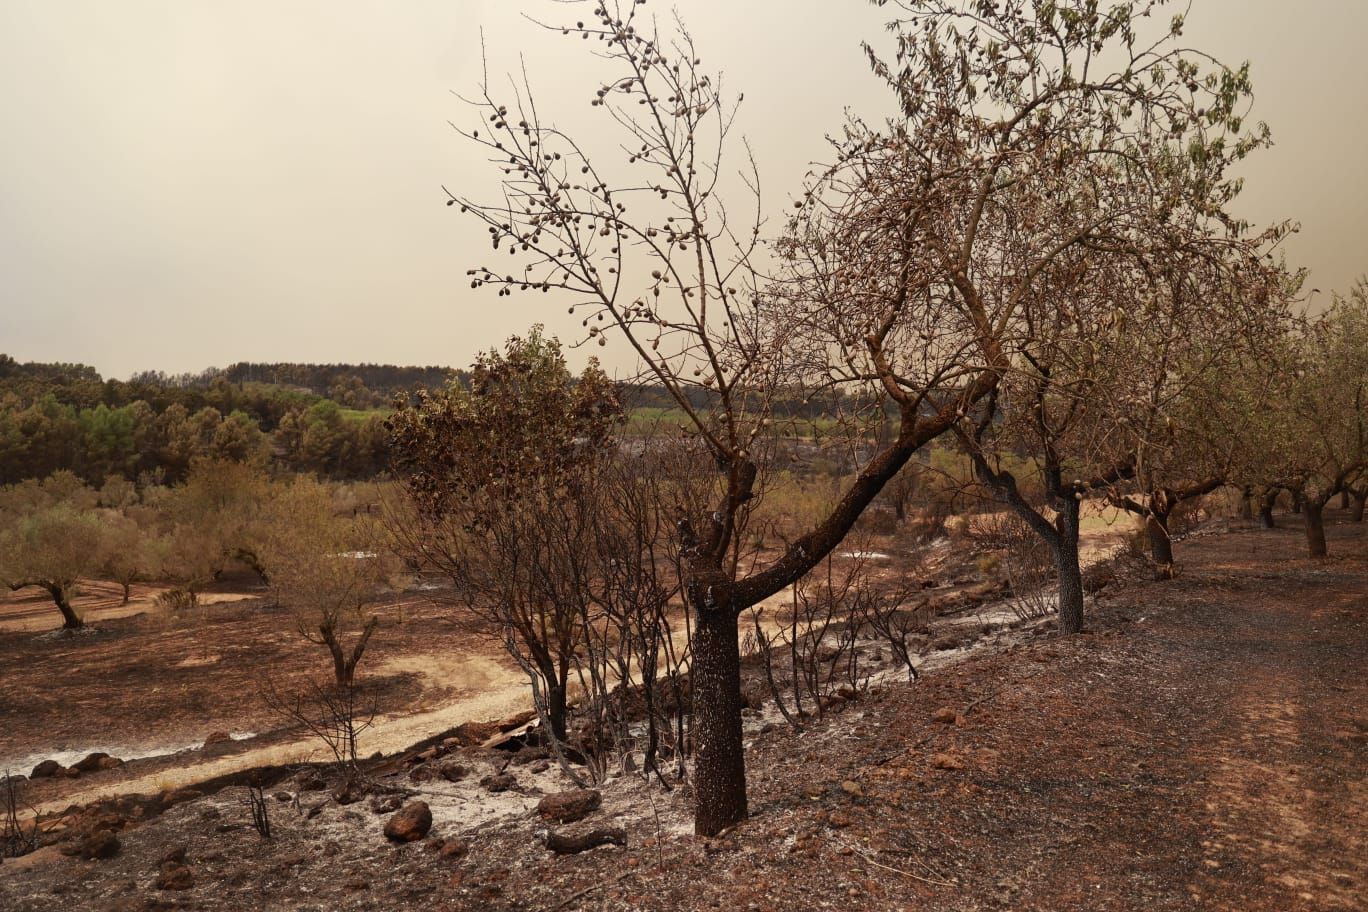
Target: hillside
1201	746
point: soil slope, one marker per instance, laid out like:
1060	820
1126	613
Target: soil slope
1202	747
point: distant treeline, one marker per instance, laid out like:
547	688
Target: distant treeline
321	418
66	416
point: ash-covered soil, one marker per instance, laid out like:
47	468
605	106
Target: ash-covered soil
1203	746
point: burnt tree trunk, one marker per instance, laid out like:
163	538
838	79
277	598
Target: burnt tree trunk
1246	504
127	593
1315	528
1266	510
70	619
1161	544
1065	548
720	771
1344	500
342	671
556	703
1356	511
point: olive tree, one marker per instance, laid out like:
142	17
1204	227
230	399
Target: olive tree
52	547
328	570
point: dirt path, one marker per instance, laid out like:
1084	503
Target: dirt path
490	689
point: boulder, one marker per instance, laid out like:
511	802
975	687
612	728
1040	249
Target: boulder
530	754
96	761
411	823
945	716
499	782
454	848
218	737
175	876
46	770
100	844
947	762
452	771
567	807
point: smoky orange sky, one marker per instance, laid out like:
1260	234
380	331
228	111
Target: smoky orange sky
190	183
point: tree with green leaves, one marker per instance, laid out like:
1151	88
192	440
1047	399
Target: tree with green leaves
497	474
328	570
53	548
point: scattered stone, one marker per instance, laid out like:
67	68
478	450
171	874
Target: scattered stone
945	716
210	813
852	788
292	861
97	761
411	823
946	762
175	877
174	855
454	848
355	884
283	796
499	782
945	643
530	754
218	737
452	771
386	804
839	819
541	767
814	790
100	844
567	807
46	770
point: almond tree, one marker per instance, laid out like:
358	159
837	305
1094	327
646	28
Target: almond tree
1187	424
891	282
1324	411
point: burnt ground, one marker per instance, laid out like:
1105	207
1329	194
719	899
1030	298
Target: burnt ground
1203	746
146	679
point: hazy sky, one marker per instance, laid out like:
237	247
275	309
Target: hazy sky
189	183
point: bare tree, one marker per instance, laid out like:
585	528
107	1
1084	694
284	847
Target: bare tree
884	291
